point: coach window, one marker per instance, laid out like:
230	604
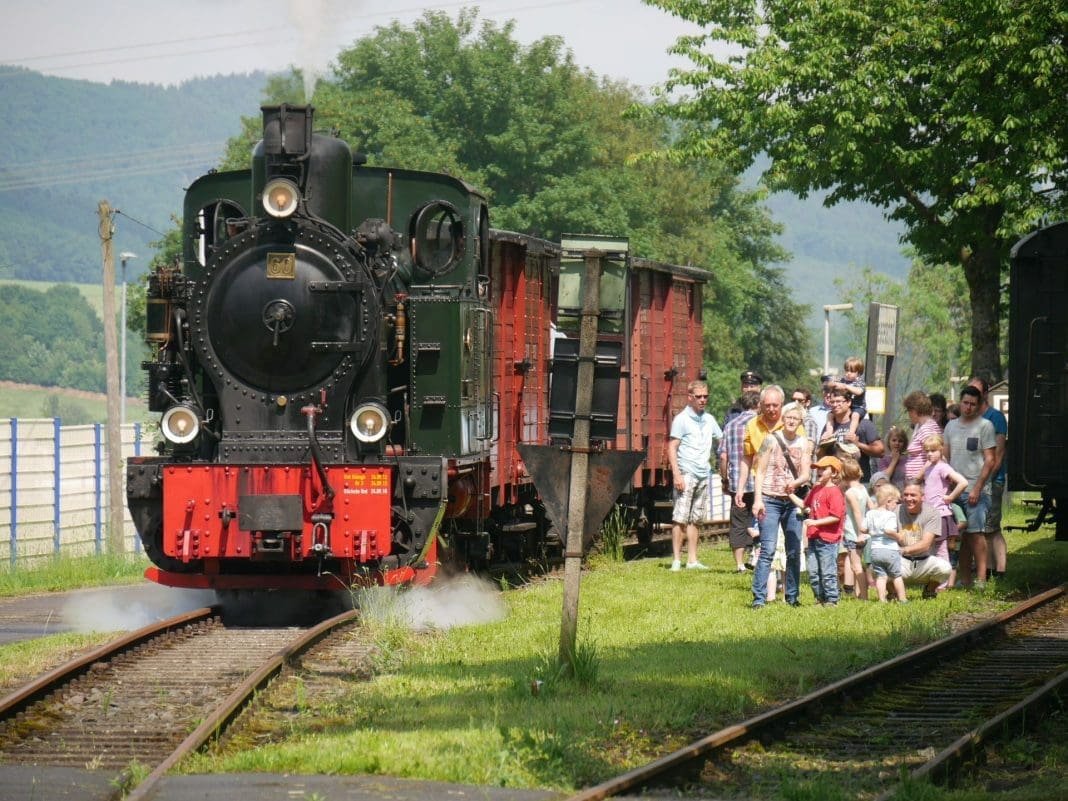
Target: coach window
437	237
216	223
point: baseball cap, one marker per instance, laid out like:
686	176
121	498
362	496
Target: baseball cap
752	377
830	461
849	449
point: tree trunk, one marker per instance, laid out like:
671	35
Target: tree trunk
982	269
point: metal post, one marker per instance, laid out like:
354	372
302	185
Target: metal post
580	458
14	491
827	309
57	485
124	256
826	340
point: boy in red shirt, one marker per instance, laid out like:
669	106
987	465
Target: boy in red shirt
822	529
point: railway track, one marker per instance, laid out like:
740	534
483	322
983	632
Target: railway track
140	703
923	713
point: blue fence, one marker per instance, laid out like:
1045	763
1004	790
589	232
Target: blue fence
54	483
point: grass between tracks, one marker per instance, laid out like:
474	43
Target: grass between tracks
665	657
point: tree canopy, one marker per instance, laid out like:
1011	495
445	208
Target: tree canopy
933	324
550	145
949	114
50	338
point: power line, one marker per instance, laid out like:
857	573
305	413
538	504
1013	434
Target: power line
292	30
78	178
142	224
82	169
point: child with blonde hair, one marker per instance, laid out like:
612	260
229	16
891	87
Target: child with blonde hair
881	525
857	502
942	485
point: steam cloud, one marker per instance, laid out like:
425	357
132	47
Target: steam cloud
461	601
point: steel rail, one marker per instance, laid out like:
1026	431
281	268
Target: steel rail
858	684
948	761
37	689
225	712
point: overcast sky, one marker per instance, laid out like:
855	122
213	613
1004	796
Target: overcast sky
168	41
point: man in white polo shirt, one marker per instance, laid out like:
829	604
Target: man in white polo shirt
694	432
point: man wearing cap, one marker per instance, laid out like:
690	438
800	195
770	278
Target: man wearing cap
751	381
865	445
694	433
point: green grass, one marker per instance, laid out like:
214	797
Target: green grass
671	656
22	660
662	658
55	574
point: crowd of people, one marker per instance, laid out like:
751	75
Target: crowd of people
919	506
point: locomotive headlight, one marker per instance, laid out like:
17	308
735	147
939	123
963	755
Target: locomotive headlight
280	197
180	424
369	422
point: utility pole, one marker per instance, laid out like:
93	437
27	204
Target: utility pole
116	501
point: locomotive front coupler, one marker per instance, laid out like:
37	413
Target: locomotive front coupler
321	532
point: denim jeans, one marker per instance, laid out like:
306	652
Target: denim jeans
778	512
823	570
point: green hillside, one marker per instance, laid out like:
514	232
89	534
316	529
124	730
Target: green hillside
66	144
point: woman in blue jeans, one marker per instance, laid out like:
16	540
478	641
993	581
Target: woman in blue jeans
774	482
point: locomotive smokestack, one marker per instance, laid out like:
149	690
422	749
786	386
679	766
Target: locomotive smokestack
287	130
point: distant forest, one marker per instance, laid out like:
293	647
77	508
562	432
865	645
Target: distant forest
65	145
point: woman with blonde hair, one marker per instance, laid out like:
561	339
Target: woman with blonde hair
781	467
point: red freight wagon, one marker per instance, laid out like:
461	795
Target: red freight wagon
659	333
521	286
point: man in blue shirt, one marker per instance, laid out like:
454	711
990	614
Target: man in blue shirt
995	539
694	432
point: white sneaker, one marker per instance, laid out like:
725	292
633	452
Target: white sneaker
695	566
676	566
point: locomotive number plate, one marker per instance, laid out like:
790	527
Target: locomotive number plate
282	265
270	513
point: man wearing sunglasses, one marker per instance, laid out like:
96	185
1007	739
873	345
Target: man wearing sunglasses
694	432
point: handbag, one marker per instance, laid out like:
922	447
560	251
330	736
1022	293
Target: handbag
802	491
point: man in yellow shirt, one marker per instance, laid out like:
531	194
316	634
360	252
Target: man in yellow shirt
768	420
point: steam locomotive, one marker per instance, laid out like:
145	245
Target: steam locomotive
345	361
